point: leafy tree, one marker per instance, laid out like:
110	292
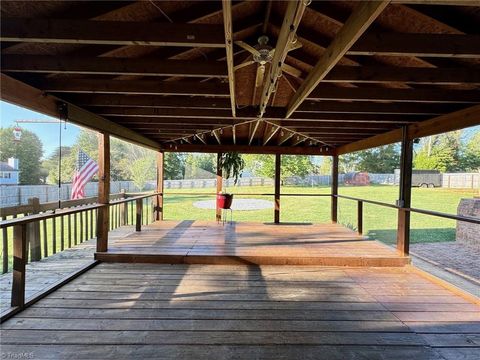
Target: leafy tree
440	152
50	165
471	156
28	151
326	166
174	166
348	162
142	170
379	160
292	165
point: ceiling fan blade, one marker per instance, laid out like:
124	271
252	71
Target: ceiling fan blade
295	46
247	47
291	70
246	63
260	75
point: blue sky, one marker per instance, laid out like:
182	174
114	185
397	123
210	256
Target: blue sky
48	133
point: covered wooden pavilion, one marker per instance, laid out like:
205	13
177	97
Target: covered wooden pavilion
293	77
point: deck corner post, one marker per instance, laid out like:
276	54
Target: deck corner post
278	166
139	212
33	231
218	211
19	262
103	191
158	214
123	208
334	215
405	194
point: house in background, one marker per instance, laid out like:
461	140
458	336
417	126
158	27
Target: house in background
9	173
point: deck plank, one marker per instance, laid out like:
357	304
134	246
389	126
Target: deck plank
246	312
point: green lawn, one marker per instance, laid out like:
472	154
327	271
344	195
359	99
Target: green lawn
379	222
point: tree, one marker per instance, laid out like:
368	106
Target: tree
50	165
292	165
470	160
440	152
28	151
142	170
174	166
326	166
379	160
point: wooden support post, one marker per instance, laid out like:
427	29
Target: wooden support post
19	261
160	176
278	165
103	213
219	185
334	188
33	234
405	196
360	217
139	211
123	208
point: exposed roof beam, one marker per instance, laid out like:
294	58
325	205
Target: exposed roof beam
111	66
298	140
252	130
361	18
439	2
378	74
149	101
201	138
248	114
419	45
443	123
63	31
396	95
227	24
270	131
234	134
180	102
291	21
19	93
285	135
249	149
138	87
217	137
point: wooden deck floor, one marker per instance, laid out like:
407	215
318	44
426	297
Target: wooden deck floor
146	311
207	242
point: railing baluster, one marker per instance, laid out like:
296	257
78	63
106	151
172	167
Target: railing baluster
5	248
19	261
62	233
45	238
54	236
75	229
360	217
69	221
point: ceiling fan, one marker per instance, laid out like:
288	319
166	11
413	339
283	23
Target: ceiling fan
261	54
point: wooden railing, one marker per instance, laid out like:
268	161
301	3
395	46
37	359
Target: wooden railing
26	229
399	208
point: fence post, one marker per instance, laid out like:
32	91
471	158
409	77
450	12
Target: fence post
33	232
123	208
19	261
139	209
158	203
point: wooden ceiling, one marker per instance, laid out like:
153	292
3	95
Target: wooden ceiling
169	70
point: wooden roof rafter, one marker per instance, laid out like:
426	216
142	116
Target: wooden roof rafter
364	14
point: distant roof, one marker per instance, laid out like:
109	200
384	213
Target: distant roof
5	167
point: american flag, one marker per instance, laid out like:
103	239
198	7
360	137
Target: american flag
85	170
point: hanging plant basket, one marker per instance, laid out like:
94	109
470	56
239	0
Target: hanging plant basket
224	201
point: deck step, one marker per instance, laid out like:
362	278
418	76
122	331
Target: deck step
394	261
